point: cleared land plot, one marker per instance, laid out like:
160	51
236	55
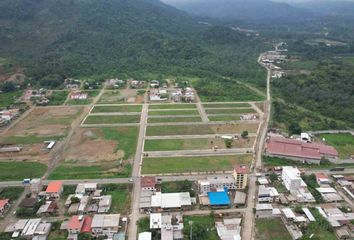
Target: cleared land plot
122	108
271	229
11	170
223	105
122	96
194	144
112	119
174	119
174	112
102	144
193	164
12	193
172	106
97	153
91	94
57	97
201	129
229	111
344	143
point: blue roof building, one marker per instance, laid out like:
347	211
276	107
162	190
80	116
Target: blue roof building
219	198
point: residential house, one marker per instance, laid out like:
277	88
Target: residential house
84	188
36	185
49	208
148	184
54	189
105	224
171	201
267	194
322	179
229	228
104	204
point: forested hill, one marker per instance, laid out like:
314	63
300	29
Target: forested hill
58	38
265	10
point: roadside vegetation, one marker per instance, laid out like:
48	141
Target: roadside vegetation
11	170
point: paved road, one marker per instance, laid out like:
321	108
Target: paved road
134	217
207	152
248	224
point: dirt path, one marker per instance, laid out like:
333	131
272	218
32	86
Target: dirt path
201	109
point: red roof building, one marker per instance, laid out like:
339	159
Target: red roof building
86	226
321	178
292	148
148	183
54	189
241	169
75	225
4	204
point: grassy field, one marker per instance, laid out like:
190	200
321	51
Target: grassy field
174	119
205	226
200	129
12	193
193	164
126	137
72	171
194	144
271	229
229	111
105	119
172	106
344	143
6	99
223	105
57	97
224	118
320	229
122	108
174	112
120	197
19	170
112	96
301	65
29	139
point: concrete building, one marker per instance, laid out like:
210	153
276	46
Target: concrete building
267	194
104	204
169	201
229	229
29	229
291	177
155	220
329	194
322	179
215	183
145	236
241	176
105	224
36	185
84	188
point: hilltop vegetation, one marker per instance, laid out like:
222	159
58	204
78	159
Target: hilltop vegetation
55	39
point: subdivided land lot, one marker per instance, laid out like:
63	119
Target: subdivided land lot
201	129
112	119
11	170
172	106
193	164
115	108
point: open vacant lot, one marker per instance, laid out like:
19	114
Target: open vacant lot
121	197
11	170
172	106
223	118
174	119
102	144
207	223
122	96
271	229
111	119
121	108
6	99
57	97
344	143
225	105
174	112
194	144
201	129
193	164
230	111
